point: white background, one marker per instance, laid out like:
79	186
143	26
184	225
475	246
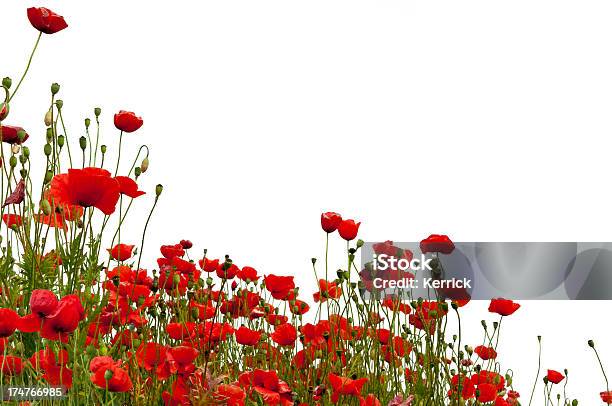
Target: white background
484	120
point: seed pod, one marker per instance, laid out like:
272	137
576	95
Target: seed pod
49	134
23	159
97	111
59	104
103	149
13	161
23	173
47	149
7	82
55	88
83	142
61	140
158	190
87	123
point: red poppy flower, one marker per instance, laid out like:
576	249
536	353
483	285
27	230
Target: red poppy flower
10	134
554	376
152	357
348	229
437	243
248	274
127	121
230	395
172	251
11	365
43	302
128	187
121	252
345	386
490	377
327	290
606	397
227	270
183	356
284	334
55	370
8	322
109	374
64	319
12	220
209	265
486	392
45	20
246	336
463	384
503	307
272	390
330	221
370	400
279	286
486	353
86	188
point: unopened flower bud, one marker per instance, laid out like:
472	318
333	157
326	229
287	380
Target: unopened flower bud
359	243
103	149
24	173
144	165
83	142
137	172
13	161
49	135
591	343
55	88
15	148
48	176
61	140
47	149
158	190
4	111
45	206
97	111
59	104
49	118
26	152
23	159
7	82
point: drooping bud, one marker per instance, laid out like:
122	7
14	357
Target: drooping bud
49	118
83	142
144	165
7	82
45	206
158	190
55	88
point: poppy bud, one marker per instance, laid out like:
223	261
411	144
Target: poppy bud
48	176
55	88
209	281
49	118
103	149
158	190
7	82
15	148
59	104
45	206
23	159
575	402
360	243
47	149
137	171
23	173
87	123
144	165
61	140
4	110
83	142
13	161
97	111
591	343
49	135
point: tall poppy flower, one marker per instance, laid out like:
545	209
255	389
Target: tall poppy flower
64	320
272	390
10	134
554	376
330	221
503	307
43	302
109	374
345	386
128	187
8	322
348	229
606	397
327	290
45	20
127	121
121	252
486	353
88	187
230	395
248	273
284	334
246	336
279	286
437	243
